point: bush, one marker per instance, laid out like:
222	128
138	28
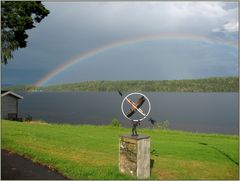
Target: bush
28	118
154	152
162	124
115	123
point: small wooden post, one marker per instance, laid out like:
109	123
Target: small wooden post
134	156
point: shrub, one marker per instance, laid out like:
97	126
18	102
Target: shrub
154	152
115	123
162	124
28	118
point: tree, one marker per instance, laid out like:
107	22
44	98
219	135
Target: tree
16	18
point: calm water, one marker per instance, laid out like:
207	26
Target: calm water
197	112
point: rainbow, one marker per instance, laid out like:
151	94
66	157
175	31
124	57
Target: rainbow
83	56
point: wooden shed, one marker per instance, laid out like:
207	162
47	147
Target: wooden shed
9	105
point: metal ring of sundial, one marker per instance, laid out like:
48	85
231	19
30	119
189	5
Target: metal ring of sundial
136	93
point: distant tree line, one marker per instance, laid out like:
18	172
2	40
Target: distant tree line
216	84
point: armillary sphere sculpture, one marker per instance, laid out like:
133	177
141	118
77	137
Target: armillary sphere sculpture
136	107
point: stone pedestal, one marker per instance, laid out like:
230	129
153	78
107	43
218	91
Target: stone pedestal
134	156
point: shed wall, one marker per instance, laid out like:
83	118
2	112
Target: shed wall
8	105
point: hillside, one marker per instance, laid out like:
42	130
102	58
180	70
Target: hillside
216	84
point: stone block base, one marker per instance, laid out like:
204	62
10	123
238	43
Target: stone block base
134	156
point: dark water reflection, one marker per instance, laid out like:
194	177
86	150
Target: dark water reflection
197	112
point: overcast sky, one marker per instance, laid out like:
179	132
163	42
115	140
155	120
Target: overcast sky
74	28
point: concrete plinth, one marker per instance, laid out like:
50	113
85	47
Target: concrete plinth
134	156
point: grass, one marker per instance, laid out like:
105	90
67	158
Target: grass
91	152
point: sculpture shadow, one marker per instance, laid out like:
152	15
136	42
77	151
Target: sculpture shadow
221	152
151	165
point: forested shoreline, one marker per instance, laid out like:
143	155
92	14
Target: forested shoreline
215	84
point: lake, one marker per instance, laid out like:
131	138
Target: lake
196	112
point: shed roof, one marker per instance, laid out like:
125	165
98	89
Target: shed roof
7	92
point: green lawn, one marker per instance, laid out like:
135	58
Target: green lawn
91	152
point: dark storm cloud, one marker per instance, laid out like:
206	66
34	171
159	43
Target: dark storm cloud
72	28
